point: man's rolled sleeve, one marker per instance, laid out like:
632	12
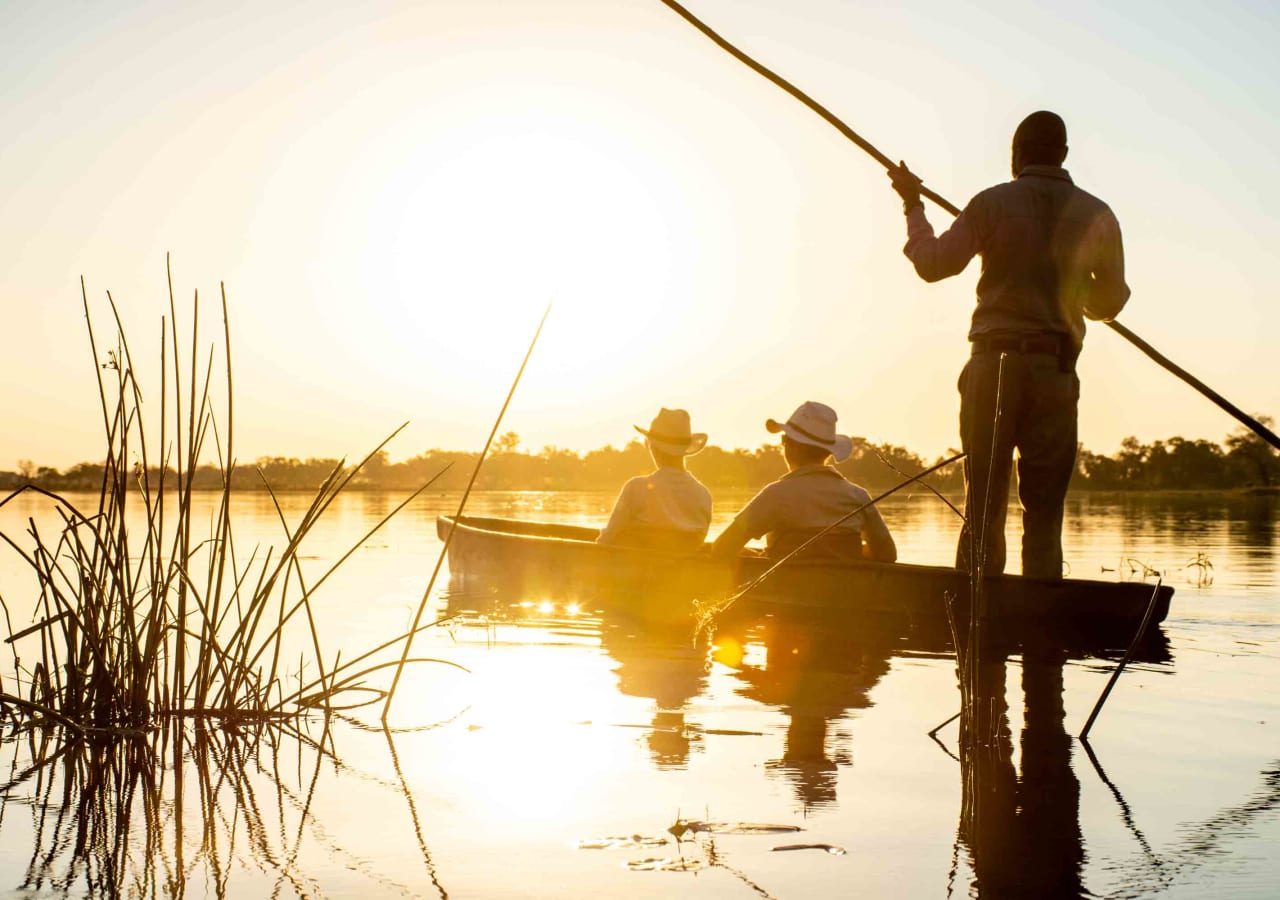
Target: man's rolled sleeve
1108	292
875	533
936	258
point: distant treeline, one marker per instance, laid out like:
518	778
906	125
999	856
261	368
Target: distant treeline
1241	461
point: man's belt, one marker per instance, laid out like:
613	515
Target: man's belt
1053	346
1048	344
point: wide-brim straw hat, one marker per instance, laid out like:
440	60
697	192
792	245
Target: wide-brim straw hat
814	424
671	433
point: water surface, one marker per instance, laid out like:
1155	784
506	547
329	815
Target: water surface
558	763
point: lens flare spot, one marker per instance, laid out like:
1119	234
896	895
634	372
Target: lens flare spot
728	652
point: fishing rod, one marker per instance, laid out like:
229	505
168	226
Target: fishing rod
1159	358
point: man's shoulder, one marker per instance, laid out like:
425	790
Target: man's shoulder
774	489
858	492
1014	196
1090	202
637	483
701	489
995	190
994	196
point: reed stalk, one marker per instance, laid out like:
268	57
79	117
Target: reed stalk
142	617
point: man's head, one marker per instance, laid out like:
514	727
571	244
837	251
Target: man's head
797	454
664	460
1040	140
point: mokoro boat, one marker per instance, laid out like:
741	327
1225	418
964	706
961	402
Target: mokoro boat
563	561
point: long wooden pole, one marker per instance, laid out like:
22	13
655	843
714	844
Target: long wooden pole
1230	408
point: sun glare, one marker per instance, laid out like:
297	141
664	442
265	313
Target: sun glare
487	224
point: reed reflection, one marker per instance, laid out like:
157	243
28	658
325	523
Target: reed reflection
109	816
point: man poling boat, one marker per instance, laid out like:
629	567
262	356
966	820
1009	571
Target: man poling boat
1051	257
1048	279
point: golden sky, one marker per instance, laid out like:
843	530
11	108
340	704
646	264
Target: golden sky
393	192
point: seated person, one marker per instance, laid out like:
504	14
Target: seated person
667	509
810	497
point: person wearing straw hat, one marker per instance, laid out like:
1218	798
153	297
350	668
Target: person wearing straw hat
810	497
668	508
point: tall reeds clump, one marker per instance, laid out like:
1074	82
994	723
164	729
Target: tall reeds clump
136	623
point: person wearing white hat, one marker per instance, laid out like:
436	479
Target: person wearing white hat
668	508
810	497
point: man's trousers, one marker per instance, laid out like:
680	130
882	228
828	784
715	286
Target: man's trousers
1037	416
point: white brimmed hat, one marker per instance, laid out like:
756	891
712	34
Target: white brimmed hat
814	424
670	433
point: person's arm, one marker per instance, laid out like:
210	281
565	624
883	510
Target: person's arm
623	509
934	258
705	515
743	528
731	541
877	542
1108	292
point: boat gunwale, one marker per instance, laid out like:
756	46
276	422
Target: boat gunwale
468	523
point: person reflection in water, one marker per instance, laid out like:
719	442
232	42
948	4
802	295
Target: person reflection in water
1023	834
810	497
815	675
667	509
658	663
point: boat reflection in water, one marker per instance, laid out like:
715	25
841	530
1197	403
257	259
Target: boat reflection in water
1019	824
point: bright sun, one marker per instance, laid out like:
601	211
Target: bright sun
496	220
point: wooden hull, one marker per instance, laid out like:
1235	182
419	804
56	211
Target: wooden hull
564	562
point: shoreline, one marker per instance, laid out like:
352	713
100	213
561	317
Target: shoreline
1272	491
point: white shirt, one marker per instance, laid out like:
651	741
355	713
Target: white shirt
666	498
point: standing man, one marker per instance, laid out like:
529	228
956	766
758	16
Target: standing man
1051	256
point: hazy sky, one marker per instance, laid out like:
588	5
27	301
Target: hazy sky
393	193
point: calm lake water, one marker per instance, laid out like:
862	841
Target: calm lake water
556	764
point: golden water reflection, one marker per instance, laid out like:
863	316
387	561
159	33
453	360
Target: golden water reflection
578	722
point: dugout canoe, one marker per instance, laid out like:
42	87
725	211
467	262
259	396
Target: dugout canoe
563	561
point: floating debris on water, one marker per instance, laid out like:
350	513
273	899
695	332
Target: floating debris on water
686	826
666	864
625	842
830	848
727	732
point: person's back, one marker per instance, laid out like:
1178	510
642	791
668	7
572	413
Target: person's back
668	509
801	505
1052	256
812	499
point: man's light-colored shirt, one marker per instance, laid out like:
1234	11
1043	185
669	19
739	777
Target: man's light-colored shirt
664	499
1051	255
806	499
